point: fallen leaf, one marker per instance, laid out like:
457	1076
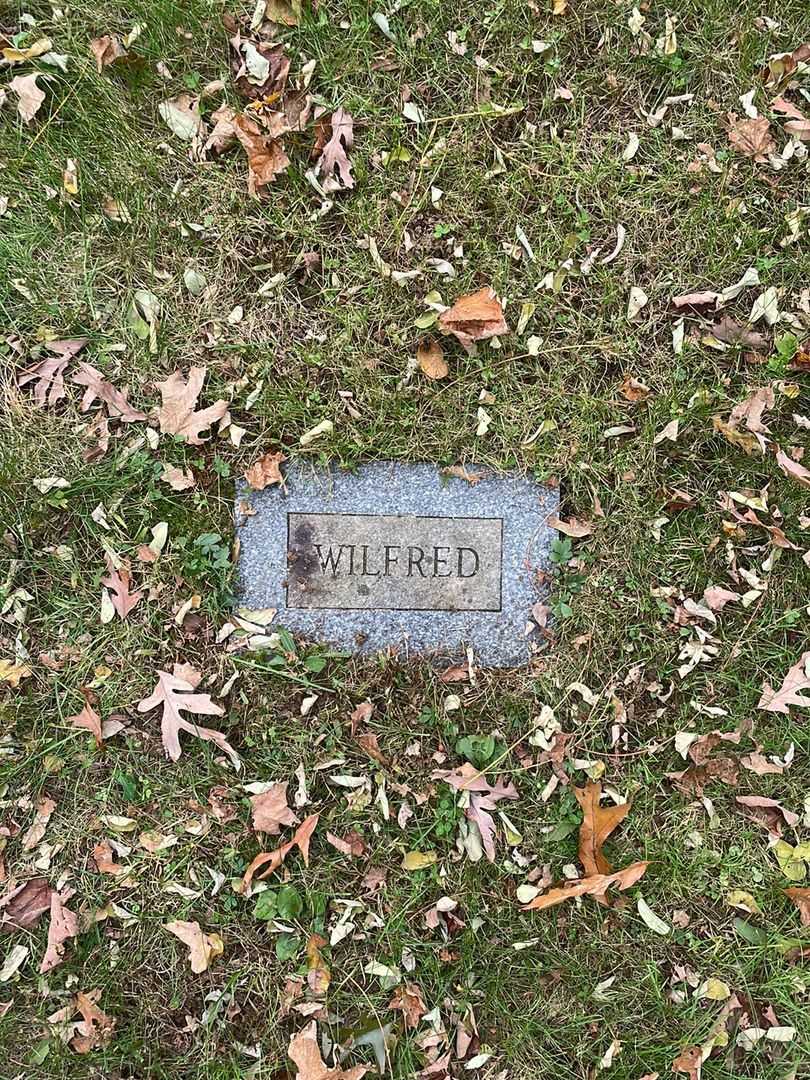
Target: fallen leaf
305	1053
177	479
34	835
574	527
106	49
13	962
801	898
636	300
352	846
318	974
759	764
260	69
266	157
634	390
266	471
97	387
790	692
175	693
270	810
18	55
22	907
48	375
13	674
202	948
715	597
333	167
696	299
63	926
104	859
751	137
595	885
648	916
271	860
418	860
118	582
430	356
474	317
142	316
95	1029
287	12
731	332
29	95
177	414
598	822
182	115
793	469
408	1000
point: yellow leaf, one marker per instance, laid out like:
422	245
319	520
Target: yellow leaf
715	990
739	898
419	860
18	56
12	673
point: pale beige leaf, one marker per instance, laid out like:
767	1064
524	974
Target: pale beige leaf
29	96
177	414
270	810
175	694
202	947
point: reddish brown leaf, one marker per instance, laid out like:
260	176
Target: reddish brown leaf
266	471
106	49
801	898
333	167
598	822
595	885
574	527
791	691
430	357
751	137
271	860
22	907
266	157
305	1053
408	1000
63	926
118	582
767	812
97	387
95	1029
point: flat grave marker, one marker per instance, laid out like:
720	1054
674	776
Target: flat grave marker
400	555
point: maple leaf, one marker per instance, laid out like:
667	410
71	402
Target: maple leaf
304	1052
801	898
751	137
270	810
106	50
594	885
118	582
272	860
333	166
98	387
266	471
266	157
202	948
175	693
790	692
408	1000
48	375
474	317
63	926
22	907
177	415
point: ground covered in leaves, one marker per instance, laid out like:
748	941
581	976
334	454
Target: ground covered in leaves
567	238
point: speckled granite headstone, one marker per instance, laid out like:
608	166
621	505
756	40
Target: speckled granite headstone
399	555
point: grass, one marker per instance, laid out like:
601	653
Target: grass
554	170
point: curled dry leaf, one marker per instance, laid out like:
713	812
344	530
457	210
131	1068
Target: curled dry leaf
333	167
474	317
97	387
318	974
177	479
29	96
430	356
801	898
175	694
88	718
305	1053
266	157
95	1028
202	948
408	1000
34	835
22	907
270	810
118	582
634	389
596	885
793	469
574	527
63	926
266	471
182	115
260	70
48	375
106	50
177	414
271	860
751	137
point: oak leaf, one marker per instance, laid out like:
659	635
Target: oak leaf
270	810
474	317
96	1027
594	885
63	926
305	1053
266	471
48	375
202	948
266	156
118	582
790	692
333	167
97	386
175	694
408	1000
272	860
598	822
793	469
177	414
